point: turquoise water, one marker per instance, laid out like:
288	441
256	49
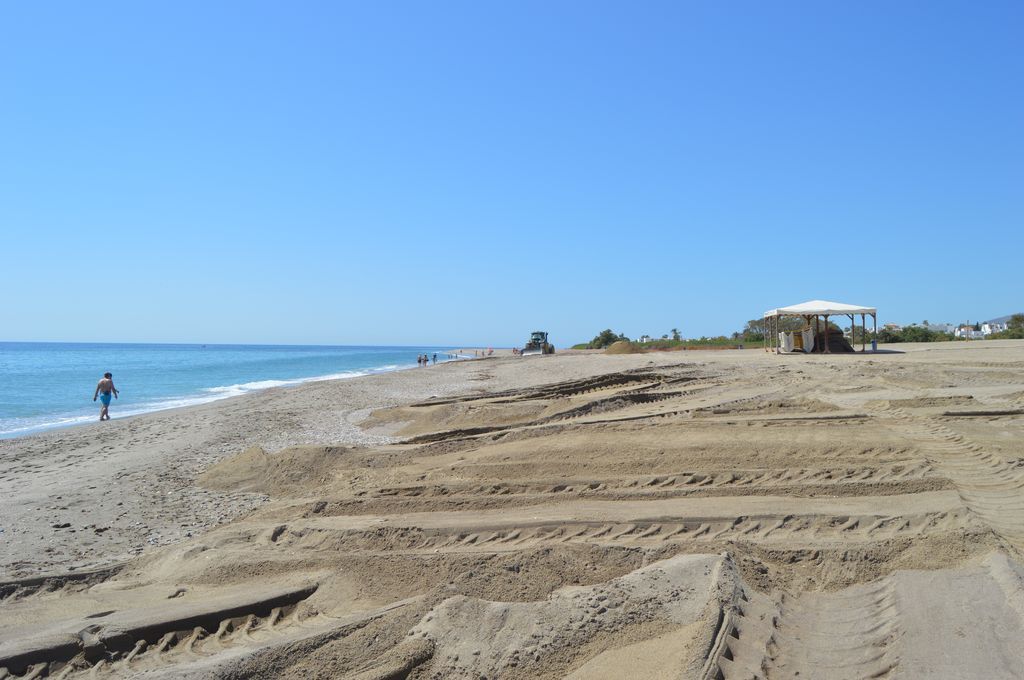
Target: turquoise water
46	385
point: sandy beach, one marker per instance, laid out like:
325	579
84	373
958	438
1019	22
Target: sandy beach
697	514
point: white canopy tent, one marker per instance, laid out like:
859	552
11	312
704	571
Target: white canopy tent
815	309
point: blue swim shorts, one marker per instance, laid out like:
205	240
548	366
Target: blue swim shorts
105	398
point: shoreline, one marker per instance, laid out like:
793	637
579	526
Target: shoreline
214	393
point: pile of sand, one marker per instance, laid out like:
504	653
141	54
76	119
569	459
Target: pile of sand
622	347
292	471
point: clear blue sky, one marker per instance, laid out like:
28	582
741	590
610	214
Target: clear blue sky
466	172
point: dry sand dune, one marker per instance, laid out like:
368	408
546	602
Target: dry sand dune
685	515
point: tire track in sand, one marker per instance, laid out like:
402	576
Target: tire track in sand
991	488
849	634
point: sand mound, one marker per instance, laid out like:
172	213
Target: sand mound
776	406
837	343
291	472
474	638
621	347
925	402
922	402
421	419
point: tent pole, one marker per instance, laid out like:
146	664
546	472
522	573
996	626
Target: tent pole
826	335
874	319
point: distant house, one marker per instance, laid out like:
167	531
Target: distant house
894	327
990	327
967	332
644	338
941	327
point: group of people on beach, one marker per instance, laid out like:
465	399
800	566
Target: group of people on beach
424	359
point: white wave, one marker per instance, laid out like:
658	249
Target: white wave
18	426
242	388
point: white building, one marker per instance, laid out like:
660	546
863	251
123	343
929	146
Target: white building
992	327
644	338
967	332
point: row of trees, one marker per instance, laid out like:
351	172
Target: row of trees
754	331
608	336
911	334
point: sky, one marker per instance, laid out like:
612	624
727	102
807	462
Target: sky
467	172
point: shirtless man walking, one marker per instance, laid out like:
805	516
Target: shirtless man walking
104	388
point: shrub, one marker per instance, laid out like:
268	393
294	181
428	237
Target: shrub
605	338
913	334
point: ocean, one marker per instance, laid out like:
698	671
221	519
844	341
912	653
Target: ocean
47	385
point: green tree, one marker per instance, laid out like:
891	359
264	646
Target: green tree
675	334
605	338
754	329
1014	329
918	334
860	335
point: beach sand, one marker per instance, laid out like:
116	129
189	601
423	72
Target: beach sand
697	514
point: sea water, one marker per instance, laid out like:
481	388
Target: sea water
47	385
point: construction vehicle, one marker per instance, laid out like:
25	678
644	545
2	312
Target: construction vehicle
538	344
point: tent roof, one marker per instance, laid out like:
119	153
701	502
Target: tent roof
820	307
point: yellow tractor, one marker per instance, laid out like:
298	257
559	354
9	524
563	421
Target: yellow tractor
538	344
